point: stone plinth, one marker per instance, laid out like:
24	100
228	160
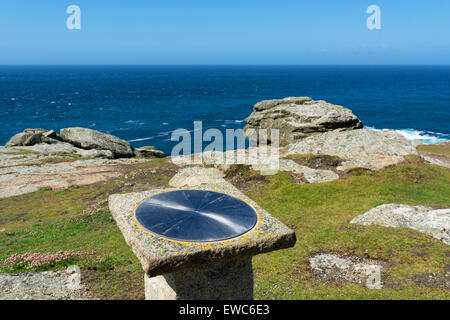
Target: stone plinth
198	270
227	280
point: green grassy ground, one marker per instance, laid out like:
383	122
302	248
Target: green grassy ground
320	214
48	221
439	149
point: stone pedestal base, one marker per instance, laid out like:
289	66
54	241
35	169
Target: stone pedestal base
225	280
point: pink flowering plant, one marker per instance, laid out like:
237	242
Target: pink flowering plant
41	261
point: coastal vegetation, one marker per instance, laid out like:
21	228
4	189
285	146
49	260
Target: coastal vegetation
77	219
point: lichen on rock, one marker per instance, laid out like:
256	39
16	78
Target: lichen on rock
299	117
435	223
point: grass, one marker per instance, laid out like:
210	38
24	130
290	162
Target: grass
61	159
442	149
316	161
96	233
20	152
320	215
48	221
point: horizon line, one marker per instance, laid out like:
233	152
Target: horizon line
224	64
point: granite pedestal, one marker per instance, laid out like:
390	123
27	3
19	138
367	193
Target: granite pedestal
177	269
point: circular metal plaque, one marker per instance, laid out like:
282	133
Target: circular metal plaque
196	215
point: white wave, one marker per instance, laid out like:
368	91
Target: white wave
230	121
141	139
427	137
162	134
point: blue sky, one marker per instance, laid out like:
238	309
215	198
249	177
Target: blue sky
225	32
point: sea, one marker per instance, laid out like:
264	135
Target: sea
144	104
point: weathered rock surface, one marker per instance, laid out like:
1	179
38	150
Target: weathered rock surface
194	176
311	175
50	285
82	141
21	179
25	169
299	117
149	152
437	160
63	149
332	267
435	223
439	156
30	137
362	148
267	162
24	139
260	157
52	135
91	139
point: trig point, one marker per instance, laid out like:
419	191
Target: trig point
197	243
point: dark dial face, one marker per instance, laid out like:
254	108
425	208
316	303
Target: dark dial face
196	215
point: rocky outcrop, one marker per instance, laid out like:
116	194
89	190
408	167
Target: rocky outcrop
24	139
310	174
33	175
437	160
48	285
82	141
55	164
438	154
51	134
91	139
149	152
435	223
334	268
63	149
268	163
297	118
361	148
30	137
194	176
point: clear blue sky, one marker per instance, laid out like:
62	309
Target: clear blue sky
224	32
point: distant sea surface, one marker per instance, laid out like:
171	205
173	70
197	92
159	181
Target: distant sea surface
144	104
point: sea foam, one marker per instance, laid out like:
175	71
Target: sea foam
427	137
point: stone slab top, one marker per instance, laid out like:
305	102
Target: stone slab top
159	255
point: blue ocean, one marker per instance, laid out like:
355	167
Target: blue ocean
144	104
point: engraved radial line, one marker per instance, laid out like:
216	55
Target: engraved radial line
174	225
210	202
234	226
187	198
174	219
170	205
170	223
203	201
